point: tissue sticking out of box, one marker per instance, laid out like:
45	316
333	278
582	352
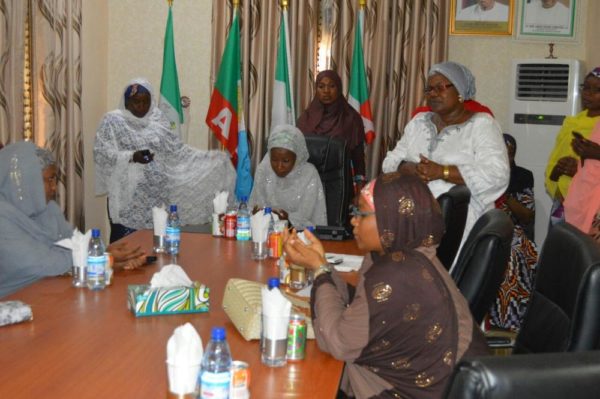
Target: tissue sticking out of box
170	276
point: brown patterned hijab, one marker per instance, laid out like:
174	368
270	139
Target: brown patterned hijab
413	324
408	216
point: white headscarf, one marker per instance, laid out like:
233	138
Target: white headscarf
179	174
460	76
300	193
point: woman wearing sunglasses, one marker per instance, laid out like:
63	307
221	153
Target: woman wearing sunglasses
452	145
405	324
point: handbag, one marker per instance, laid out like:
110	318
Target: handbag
242	302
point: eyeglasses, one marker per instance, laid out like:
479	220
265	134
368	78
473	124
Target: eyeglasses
437	88
354	211
589	89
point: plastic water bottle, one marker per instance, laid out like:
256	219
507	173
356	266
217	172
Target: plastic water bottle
96	262
215	372
173	236
242	231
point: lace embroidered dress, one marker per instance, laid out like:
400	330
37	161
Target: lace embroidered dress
179	174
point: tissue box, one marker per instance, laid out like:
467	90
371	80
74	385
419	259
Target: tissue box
147	301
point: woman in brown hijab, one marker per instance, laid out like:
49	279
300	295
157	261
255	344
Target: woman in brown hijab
405	325
330	114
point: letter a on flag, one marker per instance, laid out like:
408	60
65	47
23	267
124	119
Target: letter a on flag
358	95
282	110
223	111
170	102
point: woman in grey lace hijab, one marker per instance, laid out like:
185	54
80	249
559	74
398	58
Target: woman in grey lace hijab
286	182
141	164
31	222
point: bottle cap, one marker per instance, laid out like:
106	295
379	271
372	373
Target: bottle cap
173	208
217	334
244	198
273	282
310	228
267	209
95	233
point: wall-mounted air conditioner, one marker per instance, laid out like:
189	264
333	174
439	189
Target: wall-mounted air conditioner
542	93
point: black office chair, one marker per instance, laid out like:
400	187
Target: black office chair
331	159
454	205
482	261
564	310
547	375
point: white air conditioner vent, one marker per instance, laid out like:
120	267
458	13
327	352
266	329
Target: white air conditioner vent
542	82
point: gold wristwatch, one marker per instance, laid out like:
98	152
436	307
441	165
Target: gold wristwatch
324	268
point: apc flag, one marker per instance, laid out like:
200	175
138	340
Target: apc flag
170	102
282	110
222	116
358	95
243	181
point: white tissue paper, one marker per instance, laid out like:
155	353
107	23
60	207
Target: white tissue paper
220	202
278	309
170	276
259	225
78	244
184	355
159	220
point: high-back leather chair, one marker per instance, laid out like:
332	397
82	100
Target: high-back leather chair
330	158
454	205
564	310
546	375
482	261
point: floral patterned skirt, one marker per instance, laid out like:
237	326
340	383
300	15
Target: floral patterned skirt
513	295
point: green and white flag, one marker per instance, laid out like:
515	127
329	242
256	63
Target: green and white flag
170	98
282	110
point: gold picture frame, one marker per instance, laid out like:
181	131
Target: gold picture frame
469	17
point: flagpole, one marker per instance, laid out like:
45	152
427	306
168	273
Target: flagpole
362	3
284	4
170	2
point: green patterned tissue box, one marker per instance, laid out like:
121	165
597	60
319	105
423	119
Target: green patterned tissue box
147	301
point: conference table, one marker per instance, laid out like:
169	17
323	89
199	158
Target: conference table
88	344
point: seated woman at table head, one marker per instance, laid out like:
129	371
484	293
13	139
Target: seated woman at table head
31	222
287	183
407	324
451	145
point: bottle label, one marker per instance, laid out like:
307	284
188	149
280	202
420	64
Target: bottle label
173	234
96	267
214	385
243	228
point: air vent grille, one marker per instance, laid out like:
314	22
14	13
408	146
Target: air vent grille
542	82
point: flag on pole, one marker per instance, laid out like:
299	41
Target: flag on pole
225	116
282	110
170	102
358	95
222	115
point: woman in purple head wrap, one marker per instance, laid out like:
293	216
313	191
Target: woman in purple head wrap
330	114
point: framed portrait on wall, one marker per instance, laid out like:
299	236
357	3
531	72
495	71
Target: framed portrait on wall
481	17
548	19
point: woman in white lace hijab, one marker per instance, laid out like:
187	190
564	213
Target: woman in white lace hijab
141	164
286	182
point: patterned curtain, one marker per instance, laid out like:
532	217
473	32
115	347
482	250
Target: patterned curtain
47	34
402	39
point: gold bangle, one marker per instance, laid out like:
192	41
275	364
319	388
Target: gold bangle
446	172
